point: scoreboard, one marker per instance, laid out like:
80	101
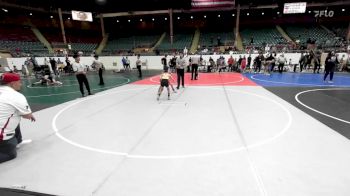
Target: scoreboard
294	8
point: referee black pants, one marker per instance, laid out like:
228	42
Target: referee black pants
101	76
180	76
280	67
194	71
139	69
83	80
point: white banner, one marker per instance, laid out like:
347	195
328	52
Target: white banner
82	16
294	8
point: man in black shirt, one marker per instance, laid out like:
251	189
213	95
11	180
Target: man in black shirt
258	60
249	61
330	65
164	63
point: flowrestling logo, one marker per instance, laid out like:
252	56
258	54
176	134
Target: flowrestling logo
324	13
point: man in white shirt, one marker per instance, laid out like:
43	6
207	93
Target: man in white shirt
195	63
138	65
80	73
180	68
13	107
99	67
281	61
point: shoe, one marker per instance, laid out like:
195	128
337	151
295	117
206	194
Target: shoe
183	86
23	143
83	95
91	94
330	82
157	98
177	88
102	84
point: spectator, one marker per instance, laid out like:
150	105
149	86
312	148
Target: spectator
99	67
230	63
164	62
180	68
138	65
13	106
195	64
281	62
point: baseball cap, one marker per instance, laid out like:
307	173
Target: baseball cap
9	77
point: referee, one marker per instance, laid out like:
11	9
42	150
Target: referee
80	73
180	69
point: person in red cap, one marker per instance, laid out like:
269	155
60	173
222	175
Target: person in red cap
13	107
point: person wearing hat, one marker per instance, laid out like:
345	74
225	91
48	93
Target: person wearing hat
13	107
80	73
99	66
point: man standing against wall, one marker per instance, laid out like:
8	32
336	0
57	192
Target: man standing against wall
13	107
99	67
195	63
164	62
138	65
281	61
180	68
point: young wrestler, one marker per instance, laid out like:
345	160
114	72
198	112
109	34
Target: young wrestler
164	82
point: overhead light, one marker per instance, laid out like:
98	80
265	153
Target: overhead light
141	20
247	14
233	14
278	12
165	18
152	19
68	18
309	12
5	10
343	10
205	16
178	18
129	20
191	17
51	16
262	13
30	14
117	20
219	16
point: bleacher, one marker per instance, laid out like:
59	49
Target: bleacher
262	36
126	43
339	31
317	33
18	40
80	40
210	39
180	41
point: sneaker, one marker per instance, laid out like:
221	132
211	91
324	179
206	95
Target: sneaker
331	82
91	94
157	98
24	142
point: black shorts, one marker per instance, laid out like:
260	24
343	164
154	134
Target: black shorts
164	82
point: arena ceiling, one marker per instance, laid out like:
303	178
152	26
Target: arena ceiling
107	6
